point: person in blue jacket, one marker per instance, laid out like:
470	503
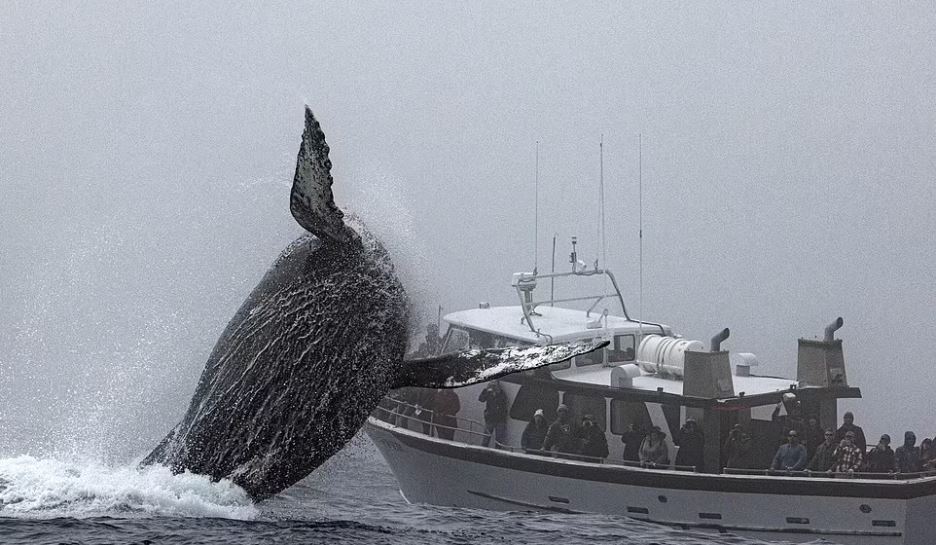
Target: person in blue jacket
791	456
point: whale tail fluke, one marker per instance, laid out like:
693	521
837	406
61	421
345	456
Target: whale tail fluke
473	366
311	201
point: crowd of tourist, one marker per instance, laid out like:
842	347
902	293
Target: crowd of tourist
842	450
806	445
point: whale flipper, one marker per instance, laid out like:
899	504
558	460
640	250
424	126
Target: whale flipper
473	366
311	201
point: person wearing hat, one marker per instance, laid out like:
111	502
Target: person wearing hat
847	457
791	456
881	457
822	459
535	432
848	425
561	434
592	440
654	451
907	456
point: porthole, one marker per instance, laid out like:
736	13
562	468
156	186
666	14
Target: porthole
865	508
662	499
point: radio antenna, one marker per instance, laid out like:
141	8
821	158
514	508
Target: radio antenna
536	213
552	278
640	230
604	251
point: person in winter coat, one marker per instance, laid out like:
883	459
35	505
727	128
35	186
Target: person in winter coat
535	432
822	459
881	457
632	438
815	436
592	439
654	451
495	413
445	406
847	457
738	449
907	456
848	425
691	444
561	434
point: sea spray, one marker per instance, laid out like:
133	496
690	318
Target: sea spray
48	488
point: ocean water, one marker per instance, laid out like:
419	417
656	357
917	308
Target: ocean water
352	499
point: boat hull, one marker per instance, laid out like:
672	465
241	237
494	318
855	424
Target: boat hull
440	472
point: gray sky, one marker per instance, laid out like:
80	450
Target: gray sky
146	153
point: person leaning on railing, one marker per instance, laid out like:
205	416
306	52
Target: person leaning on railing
561	433
446	405
791	456
654	451
847	457
739	449
907	456
535	432
592	439
881	457
822	460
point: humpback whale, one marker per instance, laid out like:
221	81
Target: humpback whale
310	353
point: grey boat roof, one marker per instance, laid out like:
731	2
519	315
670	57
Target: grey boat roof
559	324
556	323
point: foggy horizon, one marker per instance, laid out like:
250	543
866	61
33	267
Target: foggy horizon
146	155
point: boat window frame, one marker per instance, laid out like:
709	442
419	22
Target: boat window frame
577	359
618	427
452	331
629	355
576	413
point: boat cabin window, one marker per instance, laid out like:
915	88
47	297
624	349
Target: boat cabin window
532	396
580	405
626	413
456	340
621	349
560	366
592	358
482	339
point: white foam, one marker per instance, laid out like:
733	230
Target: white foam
47	488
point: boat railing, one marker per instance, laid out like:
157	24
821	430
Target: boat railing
413	417
830	474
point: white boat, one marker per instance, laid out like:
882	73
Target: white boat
649	377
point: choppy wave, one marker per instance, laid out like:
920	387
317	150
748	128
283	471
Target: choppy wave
48	488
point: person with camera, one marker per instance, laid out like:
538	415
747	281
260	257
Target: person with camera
739	449
592	439
495	414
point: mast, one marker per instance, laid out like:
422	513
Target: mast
640	231
604	256
536	213
552	279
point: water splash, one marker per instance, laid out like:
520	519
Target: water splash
48	488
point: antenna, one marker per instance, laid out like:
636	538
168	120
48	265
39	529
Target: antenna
604	256
640	230
536	213
552	279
